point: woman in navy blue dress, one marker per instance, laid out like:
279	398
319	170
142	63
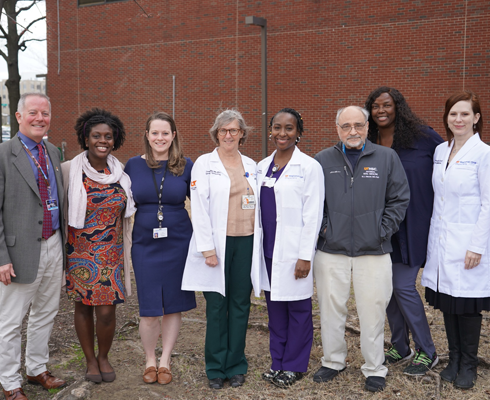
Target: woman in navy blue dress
393	124
162	230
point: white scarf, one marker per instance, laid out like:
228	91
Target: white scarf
77	195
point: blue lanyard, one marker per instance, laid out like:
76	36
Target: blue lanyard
36	163
343	147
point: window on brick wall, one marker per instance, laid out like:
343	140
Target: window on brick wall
87	2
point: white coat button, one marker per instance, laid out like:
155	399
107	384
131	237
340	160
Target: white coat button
442	198
440	217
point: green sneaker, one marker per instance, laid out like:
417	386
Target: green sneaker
392	356
421	364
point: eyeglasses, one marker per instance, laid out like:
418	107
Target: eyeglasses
347	128
233	132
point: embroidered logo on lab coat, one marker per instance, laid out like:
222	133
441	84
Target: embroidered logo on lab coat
212	172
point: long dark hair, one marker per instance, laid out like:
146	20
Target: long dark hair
407	124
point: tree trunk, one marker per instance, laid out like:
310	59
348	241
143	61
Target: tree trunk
13	82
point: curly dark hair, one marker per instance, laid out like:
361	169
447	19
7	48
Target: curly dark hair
407	124
295	114
96	116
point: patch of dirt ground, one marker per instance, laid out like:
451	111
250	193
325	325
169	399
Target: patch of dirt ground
190	380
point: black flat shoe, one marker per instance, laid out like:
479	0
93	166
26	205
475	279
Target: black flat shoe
237	380
216	383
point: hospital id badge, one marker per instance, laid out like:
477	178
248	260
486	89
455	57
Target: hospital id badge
51	204
248	202
269	182
159	233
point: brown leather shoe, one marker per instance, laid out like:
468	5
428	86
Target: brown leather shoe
150	375
46	380
16	394
164	376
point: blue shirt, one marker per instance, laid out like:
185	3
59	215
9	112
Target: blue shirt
32	146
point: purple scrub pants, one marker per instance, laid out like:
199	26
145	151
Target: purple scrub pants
291	331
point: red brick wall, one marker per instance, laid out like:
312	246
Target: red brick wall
322	55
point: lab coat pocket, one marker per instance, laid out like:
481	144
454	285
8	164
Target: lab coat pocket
457	241
290	245
293	190
469	209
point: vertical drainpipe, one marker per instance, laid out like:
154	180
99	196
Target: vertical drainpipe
173	96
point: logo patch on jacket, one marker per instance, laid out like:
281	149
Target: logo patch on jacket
370	172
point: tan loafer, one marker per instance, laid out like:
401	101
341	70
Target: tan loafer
164	376
46	380
150	375
16	394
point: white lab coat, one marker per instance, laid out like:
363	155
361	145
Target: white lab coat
460	221
210	195
300	193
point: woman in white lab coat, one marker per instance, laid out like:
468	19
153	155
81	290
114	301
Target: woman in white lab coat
457	272
223	185
290	200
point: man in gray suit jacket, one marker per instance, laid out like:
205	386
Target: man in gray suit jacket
31	249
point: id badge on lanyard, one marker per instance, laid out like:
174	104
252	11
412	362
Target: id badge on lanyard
160	232
269	182
248	201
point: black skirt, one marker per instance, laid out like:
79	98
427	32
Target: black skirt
456	305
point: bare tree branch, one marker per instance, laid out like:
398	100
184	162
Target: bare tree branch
4	55
22	45
34	40
5	34
30	24
26	8
15	20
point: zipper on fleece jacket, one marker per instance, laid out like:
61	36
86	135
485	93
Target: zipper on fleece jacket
346	178
352	169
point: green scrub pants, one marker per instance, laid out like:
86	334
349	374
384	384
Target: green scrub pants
227	316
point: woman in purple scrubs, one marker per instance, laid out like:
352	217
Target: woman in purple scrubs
290	211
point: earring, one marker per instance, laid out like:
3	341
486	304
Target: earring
298	139
270	136
474	126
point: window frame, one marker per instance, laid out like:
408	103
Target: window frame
100	2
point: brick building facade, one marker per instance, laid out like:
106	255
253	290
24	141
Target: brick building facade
322	55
